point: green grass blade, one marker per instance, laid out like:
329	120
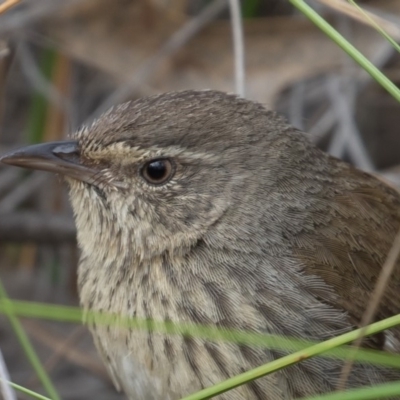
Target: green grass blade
31	393
291	359
249	8
383	391
326	349
39	103
27	347
376	74
75	315
376	26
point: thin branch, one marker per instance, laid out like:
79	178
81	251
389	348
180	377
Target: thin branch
65	347
36	78
238	46
7	5
22	192
347	9
358	57
348	134
31	12
376	297
322	126
174	43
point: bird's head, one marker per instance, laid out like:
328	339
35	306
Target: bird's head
155	174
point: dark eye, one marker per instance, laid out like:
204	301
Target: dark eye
158	172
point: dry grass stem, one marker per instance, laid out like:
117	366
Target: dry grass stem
173	44
7	5
347	136
347	9
63	348
379	291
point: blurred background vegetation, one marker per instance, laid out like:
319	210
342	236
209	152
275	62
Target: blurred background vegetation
63	62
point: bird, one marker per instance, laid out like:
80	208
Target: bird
207	208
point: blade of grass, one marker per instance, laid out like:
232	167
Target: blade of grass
291	359
249	8
376	25
28	392
39	104
344	8
27	347
75	315
347	47
383	391
367	66
373	303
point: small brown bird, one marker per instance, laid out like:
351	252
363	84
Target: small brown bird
203	207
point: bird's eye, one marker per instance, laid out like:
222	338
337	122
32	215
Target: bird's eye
158	172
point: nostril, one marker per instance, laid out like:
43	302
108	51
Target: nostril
67	151
65	148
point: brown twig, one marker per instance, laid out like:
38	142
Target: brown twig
22	192
180	38
7	5
372	307
62	347
59	352
352	12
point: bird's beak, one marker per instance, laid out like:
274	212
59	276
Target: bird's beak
59	157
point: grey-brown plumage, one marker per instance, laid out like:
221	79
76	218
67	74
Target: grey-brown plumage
253	228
